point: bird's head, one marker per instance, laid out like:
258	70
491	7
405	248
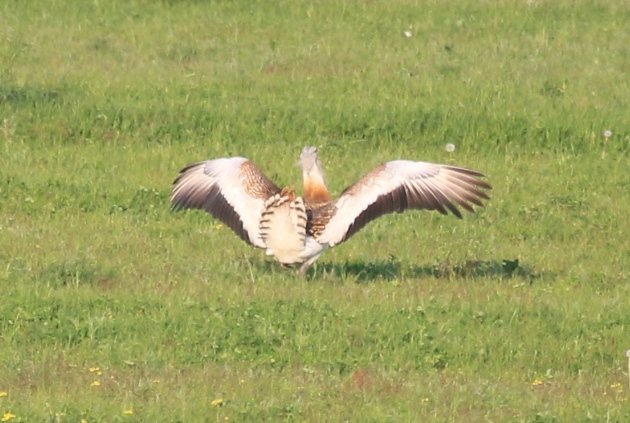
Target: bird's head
308	158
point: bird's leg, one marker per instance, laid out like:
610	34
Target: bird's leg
303	268
306	265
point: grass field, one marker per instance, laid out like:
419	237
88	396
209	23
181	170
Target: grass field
116	309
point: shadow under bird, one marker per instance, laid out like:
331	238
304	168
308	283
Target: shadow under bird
297	230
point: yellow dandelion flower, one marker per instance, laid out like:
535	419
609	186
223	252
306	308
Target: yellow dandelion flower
84	421
4	394
537	382
94	369
217	402
95	383
128	412
7	416
616	387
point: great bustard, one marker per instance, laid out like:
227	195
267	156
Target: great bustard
297	230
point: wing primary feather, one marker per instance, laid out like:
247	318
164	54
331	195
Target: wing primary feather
455	175
443	199
435	199
455	194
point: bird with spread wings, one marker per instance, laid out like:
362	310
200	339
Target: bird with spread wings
297	230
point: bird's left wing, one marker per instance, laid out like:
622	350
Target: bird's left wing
397	186
232	189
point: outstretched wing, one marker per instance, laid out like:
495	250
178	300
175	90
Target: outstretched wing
400	185
232	189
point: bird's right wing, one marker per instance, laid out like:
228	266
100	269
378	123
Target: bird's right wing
232	189
394	187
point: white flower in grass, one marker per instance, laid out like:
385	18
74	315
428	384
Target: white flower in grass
407	33
450	147
607	134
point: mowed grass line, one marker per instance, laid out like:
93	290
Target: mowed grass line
116	309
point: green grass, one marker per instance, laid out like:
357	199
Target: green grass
520	312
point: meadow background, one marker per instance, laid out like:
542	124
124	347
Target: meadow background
113	308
